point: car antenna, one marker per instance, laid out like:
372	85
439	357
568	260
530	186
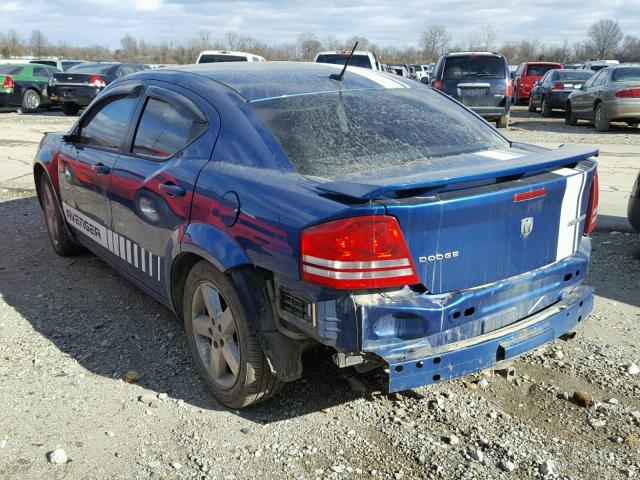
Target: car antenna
337	77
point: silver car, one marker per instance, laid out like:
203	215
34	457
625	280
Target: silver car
611	95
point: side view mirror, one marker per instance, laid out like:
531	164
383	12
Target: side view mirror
425	80
512	75
71	138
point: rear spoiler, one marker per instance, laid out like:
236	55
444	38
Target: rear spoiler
441	174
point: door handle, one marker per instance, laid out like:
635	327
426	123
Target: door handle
171	189
101	169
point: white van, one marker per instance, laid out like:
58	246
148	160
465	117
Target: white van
361	58
215	56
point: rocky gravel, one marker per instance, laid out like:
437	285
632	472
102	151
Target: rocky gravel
96	382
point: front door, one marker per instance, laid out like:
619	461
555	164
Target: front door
153	181
85	164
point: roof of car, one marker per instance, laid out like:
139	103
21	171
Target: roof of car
265	80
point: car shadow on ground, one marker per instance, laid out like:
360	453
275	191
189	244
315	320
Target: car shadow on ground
525	120
110	327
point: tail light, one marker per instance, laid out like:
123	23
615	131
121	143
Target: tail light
592	207
631	93
8	83
357	252
437	84
558	86
509	89
97	81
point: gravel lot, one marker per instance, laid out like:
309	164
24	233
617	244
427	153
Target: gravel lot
71	330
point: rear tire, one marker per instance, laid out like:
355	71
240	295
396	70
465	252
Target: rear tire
30	101
545	109
227	355
600	120
503	122
516	98
532	106
69	108
61	241
570	117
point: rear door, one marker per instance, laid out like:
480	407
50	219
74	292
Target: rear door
475	80
582	100
87	160
153	181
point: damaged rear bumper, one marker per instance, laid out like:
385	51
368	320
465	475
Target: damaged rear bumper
416	367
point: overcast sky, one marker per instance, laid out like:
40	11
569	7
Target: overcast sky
385	22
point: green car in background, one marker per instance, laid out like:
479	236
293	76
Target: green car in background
24	85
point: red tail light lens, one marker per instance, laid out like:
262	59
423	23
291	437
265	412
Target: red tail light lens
592	207
509	89
358	252
631	93
97	81
8	83
558	86
437	84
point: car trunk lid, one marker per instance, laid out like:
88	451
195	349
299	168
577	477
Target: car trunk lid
494	215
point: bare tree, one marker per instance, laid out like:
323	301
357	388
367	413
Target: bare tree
307	46
630	50
38	43
604	38
129	47
434	42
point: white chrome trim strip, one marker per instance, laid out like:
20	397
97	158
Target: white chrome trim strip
339	265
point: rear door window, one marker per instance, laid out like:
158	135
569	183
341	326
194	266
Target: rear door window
41	72
474	66
107	125
165	129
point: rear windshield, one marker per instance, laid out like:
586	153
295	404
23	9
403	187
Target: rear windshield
91	68
476	66
539	70
10	70
629	74
68	65
573	75
221	58
338	59
356	131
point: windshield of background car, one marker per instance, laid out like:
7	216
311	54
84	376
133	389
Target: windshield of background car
10	70
338	59
573	75
356	131
626	74
539	70
221	58
91	68
474	66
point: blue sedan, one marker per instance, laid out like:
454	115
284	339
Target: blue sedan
276	206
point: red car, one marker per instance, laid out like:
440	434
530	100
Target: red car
526	75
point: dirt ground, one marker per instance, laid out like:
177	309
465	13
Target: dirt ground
70	329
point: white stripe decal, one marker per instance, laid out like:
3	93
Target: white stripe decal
123	253
135	255
143	257
569	212
87	226
498	154
114	242
150	264
158	268
109	245
364	275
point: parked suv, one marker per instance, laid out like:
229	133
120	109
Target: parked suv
479	80
526	75
360	58
217	56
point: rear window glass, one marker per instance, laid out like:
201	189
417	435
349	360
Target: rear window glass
339	59
626	74
221	58
68	65
91	68
356	131
573	75
10	70
478	66
538	70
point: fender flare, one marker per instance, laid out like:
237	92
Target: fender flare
214	246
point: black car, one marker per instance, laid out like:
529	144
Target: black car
633	211
79	85
553	89
479	80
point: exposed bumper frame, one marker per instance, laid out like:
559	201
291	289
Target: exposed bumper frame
411	369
